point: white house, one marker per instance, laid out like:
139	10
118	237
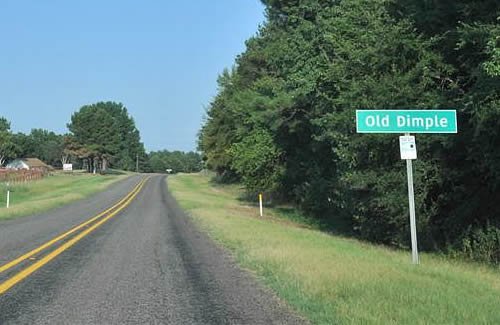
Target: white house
28	164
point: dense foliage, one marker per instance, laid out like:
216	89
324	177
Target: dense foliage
283	120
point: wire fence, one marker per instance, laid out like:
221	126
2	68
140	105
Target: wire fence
21	176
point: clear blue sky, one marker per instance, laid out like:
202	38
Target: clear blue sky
159	58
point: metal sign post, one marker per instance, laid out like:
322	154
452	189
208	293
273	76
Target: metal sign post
411	200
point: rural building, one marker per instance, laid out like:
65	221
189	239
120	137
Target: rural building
28	164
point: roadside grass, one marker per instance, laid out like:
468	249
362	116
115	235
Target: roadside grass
51	192
333	280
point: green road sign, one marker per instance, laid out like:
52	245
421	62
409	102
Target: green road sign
406	121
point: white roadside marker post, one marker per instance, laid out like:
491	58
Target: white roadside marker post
260	203
8	198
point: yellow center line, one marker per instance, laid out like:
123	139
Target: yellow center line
66	234
29	270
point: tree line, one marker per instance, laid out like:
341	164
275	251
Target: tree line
283	120
174	161
42	144
102	135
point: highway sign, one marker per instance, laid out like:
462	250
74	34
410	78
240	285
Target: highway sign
406	121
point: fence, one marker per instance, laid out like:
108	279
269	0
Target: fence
21	176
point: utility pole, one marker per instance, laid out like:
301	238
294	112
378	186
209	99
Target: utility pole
137	162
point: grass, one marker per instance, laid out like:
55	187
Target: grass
333	280
51	192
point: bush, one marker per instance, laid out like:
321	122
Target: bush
482	244
256	159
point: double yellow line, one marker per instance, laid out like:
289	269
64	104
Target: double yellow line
104	216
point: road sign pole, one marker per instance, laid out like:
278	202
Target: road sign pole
411	200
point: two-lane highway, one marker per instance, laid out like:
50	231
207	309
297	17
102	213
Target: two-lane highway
126	256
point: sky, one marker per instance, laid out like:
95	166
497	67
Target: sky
159	58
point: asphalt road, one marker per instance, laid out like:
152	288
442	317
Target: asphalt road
148	264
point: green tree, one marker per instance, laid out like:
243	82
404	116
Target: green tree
45	145
98	133
7	145
257	159
294	91
106	134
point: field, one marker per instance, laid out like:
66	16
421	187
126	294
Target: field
334	280
51	192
